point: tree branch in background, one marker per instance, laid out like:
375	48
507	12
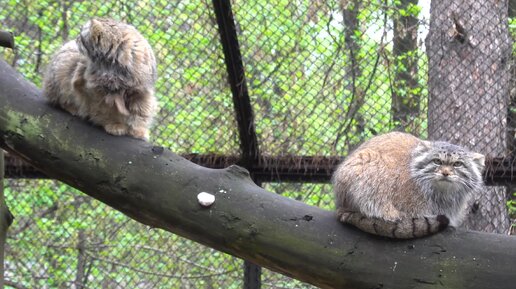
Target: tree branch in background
406	97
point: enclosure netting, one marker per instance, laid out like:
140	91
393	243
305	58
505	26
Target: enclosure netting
323	76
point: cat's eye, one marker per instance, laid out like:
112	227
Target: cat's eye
458	164
437	161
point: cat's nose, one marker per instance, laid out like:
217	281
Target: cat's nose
446	171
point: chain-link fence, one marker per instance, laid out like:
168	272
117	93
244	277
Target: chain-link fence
469	49
322	76
186	42
323	72
64	239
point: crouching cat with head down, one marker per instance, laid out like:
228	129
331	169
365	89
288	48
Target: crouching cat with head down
107	76
396	185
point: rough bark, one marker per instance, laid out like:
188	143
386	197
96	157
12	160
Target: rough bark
511	117
405	96
511	113
468	48
156	187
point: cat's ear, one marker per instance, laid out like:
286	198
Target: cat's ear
94	22
95	28
423	146
479	159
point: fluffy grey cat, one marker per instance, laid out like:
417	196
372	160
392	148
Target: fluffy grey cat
399	186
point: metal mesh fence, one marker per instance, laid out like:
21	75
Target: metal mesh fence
64	239
469	87
192	84
322	73
323	76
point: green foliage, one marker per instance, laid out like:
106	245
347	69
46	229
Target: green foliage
511	204
44	245
302	72
298	67
411	10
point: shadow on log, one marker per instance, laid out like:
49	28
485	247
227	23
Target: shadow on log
156	187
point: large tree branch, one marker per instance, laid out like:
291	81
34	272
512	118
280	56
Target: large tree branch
158	188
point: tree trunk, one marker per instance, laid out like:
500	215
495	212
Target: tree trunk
468	48
511	117
80	271
405	95
355	88
156	187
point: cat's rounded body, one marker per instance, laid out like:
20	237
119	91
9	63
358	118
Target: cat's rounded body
399	186
107	76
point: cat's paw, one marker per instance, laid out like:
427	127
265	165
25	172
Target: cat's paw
116	128
72	109
343	214
140	132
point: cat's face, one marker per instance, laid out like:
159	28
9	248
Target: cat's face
446	167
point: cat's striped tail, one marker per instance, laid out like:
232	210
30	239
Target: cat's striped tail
405	228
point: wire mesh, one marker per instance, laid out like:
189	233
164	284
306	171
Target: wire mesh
322	73
468	49
194	97
64	239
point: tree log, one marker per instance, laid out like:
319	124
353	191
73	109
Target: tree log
156	187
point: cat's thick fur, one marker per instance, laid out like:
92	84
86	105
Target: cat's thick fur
105	75
399	186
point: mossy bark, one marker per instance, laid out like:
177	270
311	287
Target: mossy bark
156	187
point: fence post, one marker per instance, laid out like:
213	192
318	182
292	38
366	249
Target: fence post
243	109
